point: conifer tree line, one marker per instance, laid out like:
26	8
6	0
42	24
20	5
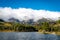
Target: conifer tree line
20	27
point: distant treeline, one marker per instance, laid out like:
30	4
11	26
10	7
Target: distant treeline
48	26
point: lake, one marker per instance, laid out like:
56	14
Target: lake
27	36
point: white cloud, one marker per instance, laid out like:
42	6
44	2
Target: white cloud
27	13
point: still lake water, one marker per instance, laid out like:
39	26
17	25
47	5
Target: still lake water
27	36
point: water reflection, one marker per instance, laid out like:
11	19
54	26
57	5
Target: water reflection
27	36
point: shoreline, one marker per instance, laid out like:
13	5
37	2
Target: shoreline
42	32
54	33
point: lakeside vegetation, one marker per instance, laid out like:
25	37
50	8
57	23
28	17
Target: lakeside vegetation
44	27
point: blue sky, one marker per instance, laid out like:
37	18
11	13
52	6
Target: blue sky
53	5
29	9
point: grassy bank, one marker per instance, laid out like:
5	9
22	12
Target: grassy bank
45	32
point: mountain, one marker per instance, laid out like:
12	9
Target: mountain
31	21
2	20
13	20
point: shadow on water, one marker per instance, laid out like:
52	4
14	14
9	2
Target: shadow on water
27	36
